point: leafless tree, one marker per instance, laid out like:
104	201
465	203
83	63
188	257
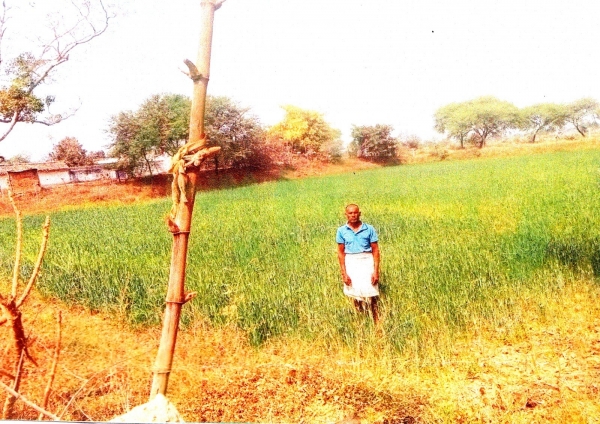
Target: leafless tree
16	351
29	70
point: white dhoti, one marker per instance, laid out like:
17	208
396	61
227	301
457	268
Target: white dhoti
360	268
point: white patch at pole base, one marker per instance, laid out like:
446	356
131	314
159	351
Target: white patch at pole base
158	410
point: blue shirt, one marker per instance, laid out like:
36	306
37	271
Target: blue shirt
356	242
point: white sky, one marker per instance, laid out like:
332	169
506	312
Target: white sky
361	62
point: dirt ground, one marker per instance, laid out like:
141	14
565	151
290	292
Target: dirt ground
539	369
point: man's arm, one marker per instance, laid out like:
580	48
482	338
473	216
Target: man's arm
376	257
342	261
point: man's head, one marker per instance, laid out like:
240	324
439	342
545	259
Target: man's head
353	213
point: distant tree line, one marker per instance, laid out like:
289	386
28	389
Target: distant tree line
161	125
477	120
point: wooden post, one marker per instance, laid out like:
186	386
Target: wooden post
185	176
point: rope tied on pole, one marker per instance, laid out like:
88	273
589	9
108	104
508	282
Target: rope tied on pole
192	153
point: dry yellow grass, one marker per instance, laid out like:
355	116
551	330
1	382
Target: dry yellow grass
541	365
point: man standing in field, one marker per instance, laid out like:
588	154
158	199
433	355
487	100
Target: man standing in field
358	255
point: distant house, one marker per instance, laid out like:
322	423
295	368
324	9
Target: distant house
159	164
51	173
23	182
91	173
32	175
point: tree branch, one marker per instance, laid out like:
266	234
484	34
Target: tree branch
12	122
3	20
38	263
54	363
87	23
28	402
10	400
17	266
62	54
49	121
194	74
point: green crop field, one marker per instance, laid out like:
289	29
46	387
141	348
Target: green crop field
461	242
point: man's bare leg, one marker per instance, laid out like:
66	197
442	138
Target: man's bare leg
374	310
359	305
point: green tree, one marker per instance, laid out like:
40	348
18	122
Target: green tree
80	22
543	117
374	143
17	98
483	117
70	151
161	125
455	120
20	158
164	122
238	133
130	145
580	113
306	132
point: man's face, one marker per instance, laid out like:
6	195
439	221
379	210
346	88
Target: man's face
353	214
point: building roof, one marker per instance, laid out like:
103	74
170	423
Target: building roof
106	161
5	168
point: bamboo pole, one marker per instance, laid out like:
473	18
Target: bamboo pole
185	176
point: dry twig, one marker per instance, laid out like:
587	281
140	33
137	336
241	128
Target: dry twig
54	363
10	313
15	280
28	402
38	263
10	400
